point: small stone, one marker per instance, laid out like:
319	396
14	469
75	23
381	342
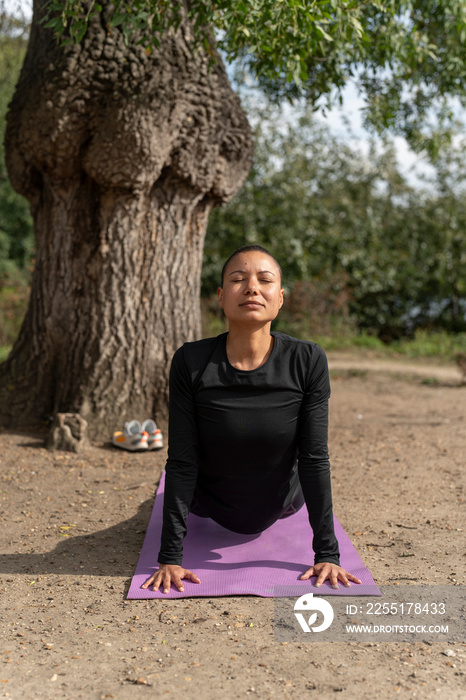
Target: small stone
448	652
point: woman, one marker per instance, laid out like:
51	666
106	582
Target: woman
248	426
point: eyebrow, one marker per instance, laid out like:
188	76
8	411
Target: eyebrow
261	272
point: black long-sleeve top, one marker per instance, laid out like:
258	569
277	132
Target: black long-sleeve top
239	440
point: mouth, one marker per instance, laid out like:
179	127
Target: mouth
251	303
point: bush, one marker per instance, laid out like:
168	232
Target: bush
13	304
314	308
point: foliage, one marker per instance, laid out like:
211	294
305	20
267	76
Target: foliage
16	231
13	305
438	344
357	244
408	55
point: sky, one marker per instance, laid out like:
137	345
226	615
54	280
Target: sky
411	165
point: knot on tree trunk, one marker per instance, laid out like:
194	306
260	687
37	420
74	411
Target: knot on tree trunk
125	117
68	432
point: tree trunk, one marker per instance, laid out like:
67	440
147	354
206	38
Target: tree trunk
121	154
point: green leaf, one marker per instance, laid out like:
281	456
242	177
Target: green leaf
323	32
55	23
80	34
118	19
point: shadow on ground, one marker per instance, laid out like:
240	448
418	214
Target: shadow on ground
113	551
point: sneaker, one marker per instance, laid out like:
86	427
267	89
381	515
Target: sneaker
131	438
154	435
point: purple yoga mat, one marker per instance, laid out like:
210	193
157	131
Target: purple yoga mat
232	564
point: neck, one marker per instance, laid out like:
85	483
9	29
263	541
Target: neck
249	349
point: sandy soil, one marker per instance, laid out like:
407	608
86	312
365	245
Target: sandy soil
72	528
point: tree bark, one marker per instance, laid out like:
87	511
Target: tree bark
122	154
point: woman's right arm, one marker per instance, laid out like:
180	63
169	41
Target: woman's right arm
181	475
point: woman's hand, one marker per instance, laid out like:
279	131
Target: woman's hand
333	572
168	574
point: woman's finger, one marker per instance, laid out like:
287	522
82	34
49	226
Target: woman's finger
156	580
166	582
324	574
177	582
191	576
150	581
333	575
343	577
307	574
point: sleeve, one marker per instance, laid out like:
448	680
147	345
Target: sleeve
313	460
182	463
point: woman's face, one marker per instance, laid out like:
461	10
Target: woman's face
251	289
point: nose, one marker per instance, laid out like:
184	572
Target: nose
251	286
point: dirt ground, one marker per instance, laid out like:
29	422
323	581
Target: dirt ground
72	529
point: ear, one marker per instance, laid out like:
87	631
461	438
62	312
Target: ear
220	297
280	303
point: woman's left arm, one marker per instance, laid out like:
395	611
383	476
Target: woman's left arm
314	474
